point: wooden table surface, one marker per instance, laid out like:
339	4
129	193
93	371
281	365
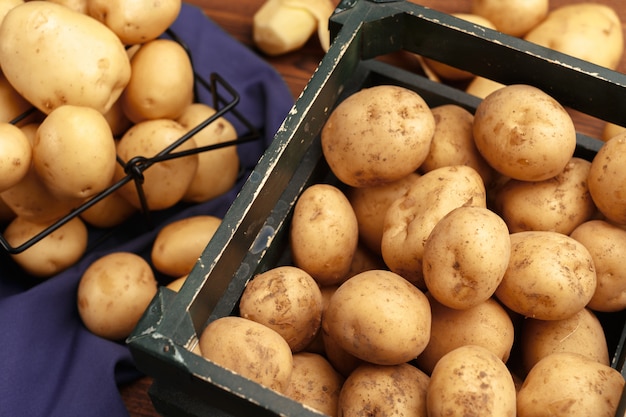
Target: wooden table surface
296	68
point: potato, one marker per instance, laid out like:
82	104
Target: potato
607	179
487	324
556	204
611	129
315	383
589	31
111	211
278	28
117	120
177	283
513	17
15	155
379	317
385	390
582	333
465	257
411	218
218	169
569	384
607	244
179	244
524	133
113	293
149	95
78	60
12	104
364	260
263	356
370	205
481	87
471	381
6	213
343	361
134	21
74	152
53	253
323	233
550	276
165	182
377	135
287	300
76	5
453	142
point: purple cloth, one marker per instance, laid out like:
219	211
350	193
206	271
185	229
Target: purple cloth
50	364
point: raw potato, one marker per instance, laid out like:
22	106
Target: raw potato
165	182
15	155
385	390
453	142
278	28
582	333
513	17
481	87
113	293
379	317
607	245
54	253
111	211
557	204
524	133
610	130
370	205
324	234
471	381
569	385
263	356
315	383
589	31
149	95
344	362
465	257
134	21
607	179
79	61
287	300
74	152
550	276
79	6
12	104
218	169
377	135
411	218
488	325
179	244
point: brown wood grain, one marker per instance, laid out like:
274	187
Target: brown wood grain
235	17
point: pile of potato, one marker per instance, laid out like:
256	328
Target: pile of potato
455	268
104	88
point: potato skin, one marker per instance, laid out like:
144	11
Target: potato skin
607	179
379	317
516	17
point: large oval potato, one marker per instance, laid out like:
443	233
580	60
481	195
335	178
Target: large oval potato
607	179
377	135
53	55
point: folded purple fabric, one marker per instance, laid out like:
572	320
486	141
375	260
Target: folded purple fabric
51	365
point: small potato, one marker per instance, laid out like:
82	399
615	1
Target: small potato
607	245
411	218
607	179
52	254
471	381
113	293
263	356
481	87
582	333
568	384
74	152
513	17
179	244
557	204
588	30
524	133
165	182
15	155
343	361
550	276
488	325
324	233
111	211
610	130
315	383
385	390
453	142
287	300
377	135
12	104
465	256
379	317
370	205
